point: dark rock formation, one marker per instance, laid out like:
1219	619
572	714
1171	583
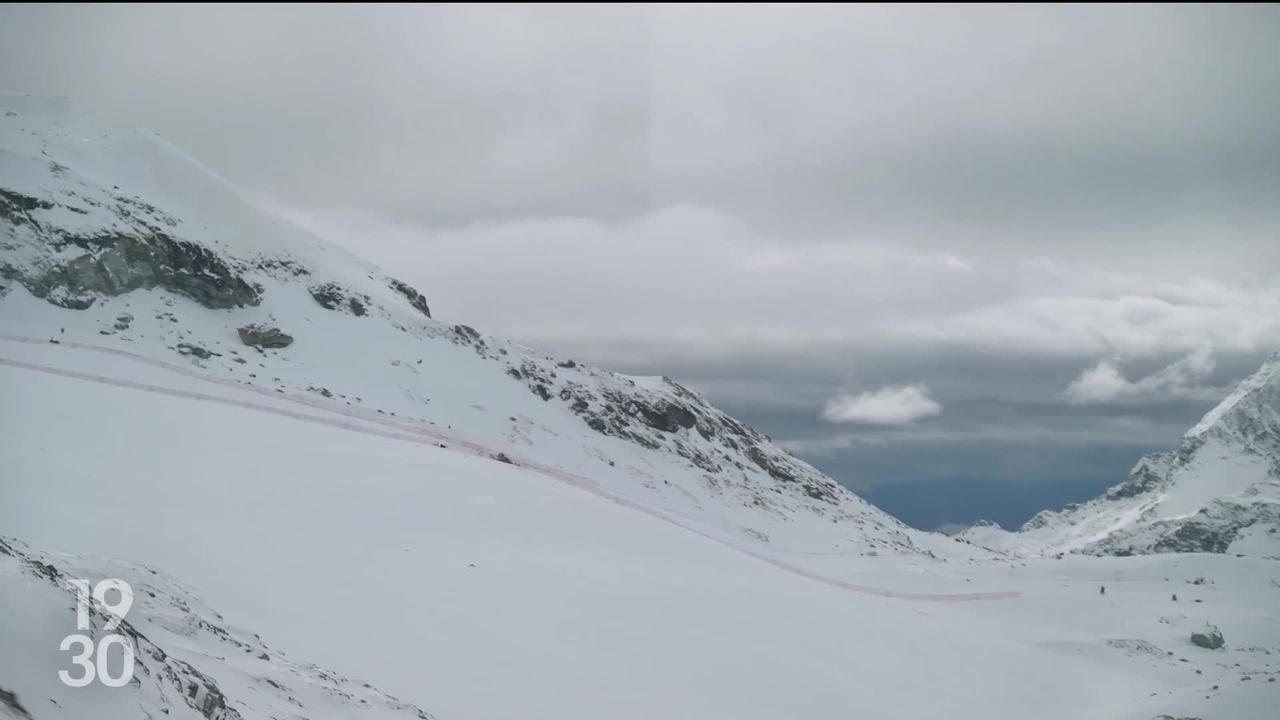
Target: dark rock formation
118	263
674	418
14	207
1210	530
1210	639
114	261
1145	477
196	350
329	295
333	296
411	294
281	267
467	333
1197	537
264	336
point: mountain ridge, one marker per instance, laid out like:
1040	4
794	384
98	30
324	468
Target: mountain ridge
85	236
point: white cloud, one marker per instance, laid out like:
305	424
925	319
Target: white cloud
1105	383
1101	383
1058	308
890	405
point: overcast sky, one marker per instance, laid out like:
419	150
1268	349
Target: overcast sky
969	261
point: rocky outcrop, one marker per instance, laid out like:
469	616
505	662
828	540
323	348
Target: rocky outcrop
281	268
468	336
16	208
264	336
194	350
74	268
666	416
1212	529
1210	639
411	294
119	263
332	296
1146	476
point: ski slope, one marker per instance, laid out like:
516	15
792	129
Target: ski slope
474	588
367	423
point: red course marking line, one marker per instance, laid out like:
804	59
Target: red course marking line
310	402
192	395
431	438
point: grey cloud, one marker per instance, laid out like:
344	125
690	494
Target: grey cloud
700	282
900	121
781	203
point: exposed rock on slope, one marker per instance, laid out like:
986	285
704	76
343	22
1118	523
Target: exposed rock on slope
1210	639
1214	528
411	294
264	336
660	415
72	269
333	296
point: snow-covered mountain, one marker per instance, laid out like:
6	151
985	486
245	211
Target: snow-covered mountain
1219	492
472	528
158	255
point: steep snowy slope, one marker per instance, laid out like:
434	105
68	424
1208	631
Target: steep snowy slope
117	237
1219	492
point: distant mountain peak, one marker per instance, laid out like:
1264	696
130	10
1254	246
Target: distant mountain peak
1257	396
1219	491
